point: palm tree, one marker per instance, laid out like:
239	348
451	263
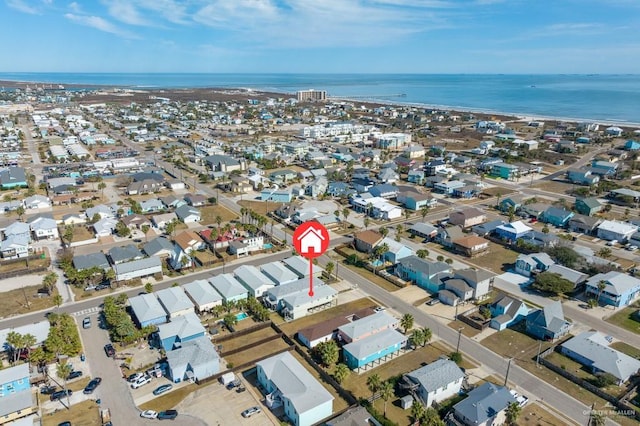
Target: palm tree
422	253
426	332
14	340
373	383
329	268
513	412
57	300
366	221
424	211
345	213
218	221
28	341
597	419
387	393
601	286
341	372
101	187
63	370
407	215
145	229
417	412
417	338
406	322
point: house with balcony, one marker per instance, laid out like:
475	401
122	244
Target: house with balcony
582	176
253	280
181	329
422	272
588	206
619	290
229	288
289	385
366	241
466	218
278	273
512	231
16	399
471	245
175	302
385	344
556	216
530	264
434	382
194	360
300	303
485	405
585	224
203	295
43	227
423	230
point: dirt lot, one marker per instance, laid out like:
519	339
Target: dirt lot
85	413
259	207
209	214
14	302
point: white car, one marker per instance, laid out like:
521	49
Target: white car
149	414
612	243
141	382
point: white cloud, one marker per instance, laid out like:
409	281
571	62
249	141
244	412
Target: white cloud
74	7
125	11
22	6
99	24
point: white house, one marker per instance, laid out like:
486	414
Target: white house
288	384
37	202
612	230
44	227
175	301
138	268
435	382
229	288
253	280
203	295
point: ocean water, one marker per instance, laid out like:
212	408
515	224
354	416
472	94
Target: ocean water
611	98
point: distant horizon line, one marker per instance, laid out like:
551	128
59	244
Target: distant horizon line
308	73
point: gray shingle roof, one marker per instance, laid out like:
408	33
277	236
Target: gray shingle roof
251	277
137	265
437	375
146	307
227	286
369	324
278	272
425	267
483	403
86	261
174	299
183	326
123	253
201	292
375	343
157	245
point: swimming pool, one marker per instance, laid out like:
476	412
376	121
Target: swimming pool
241	316
267	246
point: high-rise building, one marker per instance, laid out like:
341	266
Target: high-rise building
312	95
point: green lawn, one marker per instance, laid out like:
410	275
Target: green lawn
625	348
626	319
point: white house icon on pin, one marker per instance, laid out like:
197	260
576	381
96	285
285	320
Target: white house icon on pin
311	241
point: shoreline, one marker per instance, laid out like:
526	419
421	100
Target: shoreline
517	116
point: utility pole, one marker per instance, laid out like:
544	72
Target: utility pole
459	336
506	377
538	357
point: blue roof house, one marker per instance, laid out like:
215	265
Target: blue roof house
279	196
556	216
16	400
396	250
374	347
422	272
180	329
507	311
632	145
147	310
13	177
286	381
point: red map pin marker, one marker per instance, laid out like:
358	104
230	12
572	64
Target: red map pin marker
311	240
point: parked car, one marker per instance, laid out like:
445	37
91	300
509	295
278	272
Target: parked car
234	384
149	414
133	377
167	415
48	390
632	248
74	375
109	350
92	385
241	389
433	301
141	382
251	411
90	287
162	389
60	394
67	423
612	243
86	323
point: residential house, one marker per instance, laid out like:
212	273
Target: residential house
366	241
13	177
224	163
300	266
182	329
160	221
299	304
454	292
540	239
416	176
416	200
613	230
188	214
591	349
385	344
534	210
582	176
160	247
91	260
367	326
530	264
19	229
632	145
43	227
144	186
101	210
283	176
506	311
478	279
278	196
151	205
505	170
36	202
423	230
288	384
588	206
246	245
14	246
195	360
446	236
229	288
126	253
203	296
422	272
195	200
585	224
138	268
487	228
74	219
175	301
321	332
275	297
16	399
147	310
577	278
278	273
189	242
604	168
385	190
172	202
339	189
485	405
388	176
556	216
513	231
253	280
317	187
447	187
513	202
135	221
434	382
548	323
619	289
105	227
396	250
471	245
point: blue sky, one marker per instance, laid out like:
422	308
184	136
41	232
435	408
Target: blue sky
321	36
